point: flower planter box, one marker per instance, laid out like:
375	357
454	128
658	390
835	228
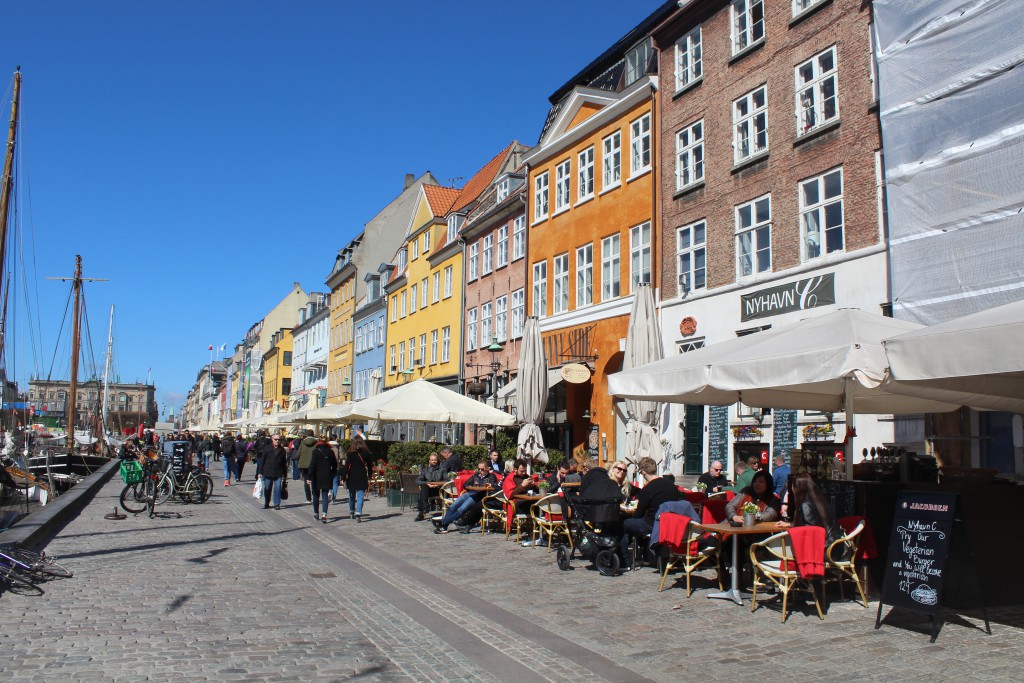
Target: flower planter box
394	498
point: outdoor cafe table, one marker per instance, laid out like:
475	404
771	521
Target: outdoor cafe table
724	529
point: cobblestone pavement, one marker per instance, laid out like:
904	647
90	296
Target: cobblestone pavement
228	591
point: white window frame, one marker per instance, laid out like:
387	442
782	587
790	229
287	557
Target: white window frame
401	356
750	124
487	256
415	249
758	231
424	293
518	313
816	91
403	306
540	289
691	247
471	316
585	173
636	61
447	282
501	191
746	23
381	328
640	145
393	367
611	161
433	347
560	283
485	324
816	213
640	267
426	242
611	267
472	262
519	237
423	349
563	172
501	318
446	344
540	197
412	298
690	155
689	61
502	253
437	287
585	275
454	225
802	6
412	353
394	316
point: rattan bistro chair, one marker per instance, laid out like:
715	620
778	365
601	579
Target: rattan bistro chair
494	510
841	561
689	557
773	561
548	515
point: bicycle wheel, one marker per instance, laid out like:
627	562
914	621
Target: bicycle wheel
165	488
133	498
17	583
38	564
205	482
151	495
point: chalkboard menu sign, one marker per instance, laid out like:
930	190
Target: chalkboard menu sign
783	432
718	433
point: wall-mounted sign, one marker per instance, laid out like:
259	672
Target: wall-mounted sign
575	373
794	296
688	326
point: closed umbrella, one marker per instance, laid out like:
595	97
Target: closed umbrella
643	346
531	393
375	429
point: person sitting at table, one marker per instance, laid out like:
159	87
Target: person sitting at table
617	473
744	476
780	475
556	478
808	507
761	494
656	490
450	461
431	472
496	465
523	485
714	479
468	503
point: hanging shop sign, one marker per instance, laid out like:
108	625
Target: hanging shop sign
793	296
575	373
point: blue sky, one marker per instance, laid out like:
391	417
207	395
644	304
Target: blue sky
204	155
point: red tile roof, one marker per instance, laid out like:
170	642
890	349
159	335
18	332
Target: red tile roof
440	198
479	182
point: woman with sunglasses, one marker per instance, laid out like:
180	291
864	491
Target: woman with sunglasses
617	473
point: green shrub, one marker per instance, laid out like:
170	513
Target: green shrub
405	454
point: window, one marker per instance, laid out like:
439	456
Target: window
816	92
611	160
584	275
402	306
471	329
394	309
472	262
485	324
423	293
640	145
518	312
640	254
412	299
610	267
437	287
754	237
690	155
412	353
433	346
821	214
371	334
447	282
415	249
750	124
402	261
446	344
360	332
380	331
487	256
801	6
561	283
688	59
454	225
691	257
422	359
747	23
540	289
502	246
501	193
636	61
401	356
394	362
585	165
540	197
518	238
562	172
426	242
501	318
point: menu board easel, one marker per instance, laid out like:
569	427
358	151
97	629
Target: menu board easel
925	534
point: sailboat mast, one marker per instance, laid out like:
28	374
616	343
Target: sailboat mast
7	180
76	339
106	370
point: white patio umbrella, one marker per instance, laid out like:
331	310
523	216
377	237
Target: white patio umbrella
375	429
976	360
331	413
828	362
531	393
424	401
643	346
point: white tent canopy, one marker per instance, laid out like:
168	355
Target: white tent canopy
424	401
336	412
976	360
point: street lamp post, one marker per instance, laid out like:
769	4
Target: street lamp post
494	366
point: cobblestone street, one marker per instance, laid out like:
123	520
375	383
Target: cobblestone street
229	591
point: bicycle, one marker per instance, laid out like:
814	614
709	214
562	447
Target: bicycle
34	566
197	487
143	495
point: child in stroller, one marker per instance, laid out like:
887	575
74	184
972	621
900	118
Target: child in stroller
595	524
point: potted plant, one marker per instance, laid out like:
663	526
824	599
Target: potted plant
747	433
543	485
701	487
749	511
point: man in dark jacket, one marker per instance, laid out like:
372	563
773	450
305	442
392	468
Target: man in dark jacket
273	466
469	501
431	473
305	451
227	449
450	462
656	490
322	468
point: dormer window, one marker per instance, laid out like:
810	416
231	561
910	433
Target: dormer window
502	191
402	257
454	225
636	61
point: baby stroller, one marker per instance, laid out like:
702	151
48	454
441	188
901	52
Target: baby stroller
595	526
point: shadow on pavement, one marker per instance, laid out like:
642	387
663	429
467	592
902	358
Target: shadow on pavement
171	544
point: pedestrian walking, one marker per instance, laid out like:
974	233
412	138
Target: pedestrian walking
272	466
227	449
305	457
322	468
357	477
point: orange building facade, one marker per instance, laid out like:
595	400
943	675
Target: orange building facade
593	234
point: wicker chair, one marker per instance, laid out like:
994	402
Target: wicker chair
773	560
690	558
841	564
494	510
548	515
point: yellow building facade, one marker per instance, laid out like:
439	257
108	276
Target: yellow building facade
341	352
277	372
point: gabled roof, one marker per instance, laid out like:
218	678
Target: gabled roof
440	198
482	179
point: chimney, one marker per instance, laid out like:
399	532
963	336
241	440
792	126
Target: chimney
410	178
